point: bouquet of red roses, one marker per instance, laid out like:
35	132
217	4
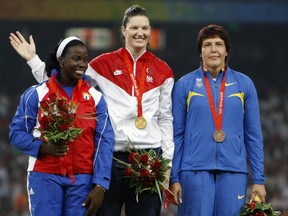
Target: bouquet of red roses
56	120
256	208
147	171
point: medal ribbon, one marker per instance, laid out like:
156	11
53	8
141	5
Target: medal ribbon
216	117
138	89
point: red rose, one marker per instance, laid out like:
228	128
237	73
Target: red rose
144	159
53	97
156	164
144	172
133	157
128	172
44	104
61	104
260	213
44	122
64	116
64	127
252	205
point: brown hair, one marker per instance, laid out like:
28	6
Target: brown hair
212	31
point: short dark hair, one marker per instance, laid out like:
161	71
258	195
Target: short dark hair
212	31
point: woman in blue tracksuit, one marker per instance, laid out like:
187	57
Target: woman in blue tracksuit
216	125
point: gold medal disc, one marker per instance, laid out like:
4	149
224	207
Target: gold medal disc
140	122
219	136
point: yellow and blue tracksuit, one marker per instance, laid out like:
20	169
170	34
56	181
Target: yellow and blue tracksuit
201	161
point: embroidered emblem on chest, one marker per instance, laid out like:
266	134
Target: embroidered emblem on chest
86	96
149	79
199	82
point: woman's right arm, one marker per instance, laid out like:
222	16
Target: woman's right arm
23	48
21	133
28	52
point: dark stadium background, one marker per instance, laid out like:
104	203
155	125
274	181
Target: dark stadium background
259	48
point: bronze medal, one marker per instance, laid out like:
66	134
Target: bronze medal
219	136
140	122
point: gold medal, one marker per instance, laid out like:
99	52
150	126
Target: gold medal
219	136
140	122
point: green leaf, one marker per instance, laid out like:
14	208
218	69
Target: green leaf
159	191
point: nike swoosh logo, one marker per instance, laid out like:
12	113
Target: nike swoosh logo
229	84
241	197
118	72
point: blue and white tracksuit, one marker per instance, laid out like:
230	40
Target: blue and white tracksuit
90	155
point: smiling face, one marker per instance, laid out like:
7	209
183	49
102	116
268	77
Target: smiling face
74	64
136	33
213	54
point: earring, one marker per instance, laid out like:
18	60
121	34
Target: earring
61	65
